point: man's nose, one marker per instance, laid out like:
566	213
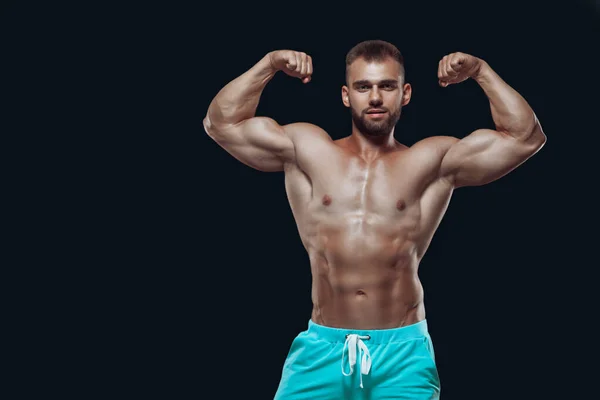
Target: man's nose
375	98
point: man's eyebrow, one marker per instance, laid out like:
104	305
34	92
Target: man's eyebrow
382	82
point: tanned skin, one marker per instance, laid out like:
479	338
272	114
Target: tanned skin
367	206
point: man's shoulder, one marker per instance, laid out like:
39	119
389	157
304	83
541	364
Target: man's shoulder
428	153
438	144
306	130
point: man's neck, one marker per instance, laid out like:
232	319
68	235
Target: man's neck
371	147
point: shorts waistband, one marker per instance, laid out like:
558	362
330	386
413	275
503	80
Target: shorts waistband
338	335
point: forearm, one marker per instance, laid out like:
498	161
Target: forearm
238	100
510	111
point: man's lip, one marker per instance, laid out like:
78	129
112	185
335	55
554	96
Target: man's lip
376	111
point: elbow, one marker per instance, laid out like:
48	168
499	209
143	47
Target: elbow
209	127
542	140
538	135
536	138
218	132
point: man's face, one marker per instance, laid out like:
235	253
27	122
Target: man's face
375	95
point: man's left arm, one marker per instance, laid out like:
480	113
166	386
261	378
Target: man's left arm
486	155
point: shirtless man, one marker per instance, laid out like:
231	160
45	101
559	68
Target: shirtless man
366	207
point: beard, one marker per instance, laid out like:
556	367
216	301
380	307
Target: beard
371	127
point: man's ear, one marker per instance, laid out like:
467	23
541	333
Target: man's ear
345	99
406	94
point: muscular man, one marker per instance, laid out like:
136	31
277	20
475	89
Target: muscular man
367	207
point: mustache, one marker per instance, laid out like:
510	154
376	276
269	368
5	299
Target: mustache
375	109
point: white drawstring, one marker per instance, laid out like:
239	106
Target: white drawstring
365	363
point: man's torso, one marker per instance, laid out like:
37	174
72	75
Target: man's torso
366	225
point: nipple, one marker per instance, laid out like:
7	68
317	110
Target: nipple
326	200
400	205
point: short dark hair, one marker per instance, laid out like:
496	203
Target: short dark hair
374	50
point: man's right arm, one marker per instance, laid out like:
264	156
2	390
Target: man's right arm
259	142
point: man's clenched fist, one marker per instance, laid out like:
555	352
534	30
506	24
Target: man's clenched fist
457	67
293	63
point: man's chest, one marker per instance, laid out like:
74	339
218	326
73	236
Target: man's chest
344	184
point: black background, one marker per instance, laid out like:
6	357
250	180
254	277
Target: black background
156	265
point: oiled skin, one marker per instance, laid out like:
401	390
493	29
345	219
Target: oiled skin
367	208
366	226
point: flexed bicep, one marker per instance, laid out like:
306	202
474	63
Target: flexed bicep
259	142
485	156
231	121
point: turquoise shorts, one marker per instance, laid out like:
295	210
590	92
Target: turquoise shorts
334	363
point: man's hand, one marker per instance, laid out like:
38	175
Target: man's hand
293	63
457	67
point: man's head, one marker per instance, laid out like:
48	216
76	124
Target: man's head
375	90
